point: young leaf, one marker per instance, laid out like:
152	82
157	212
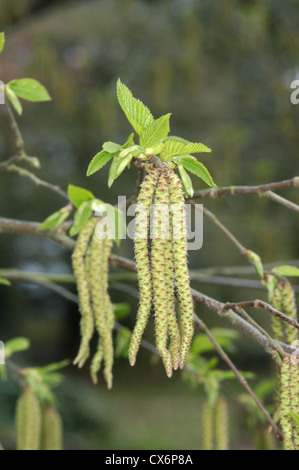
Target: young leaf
55	220
286	270
81	218
155	132
2	41
111	147
14	100
5	282
195	167
98	161
29	89
186	180
129	142
177	146
78	195
112	171
256	261
138	115
122	163
15	345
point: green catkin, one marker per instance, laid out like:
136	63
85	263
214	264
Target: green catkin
207	427
109	312
96	361
28	421
173	327
181	265
87	321
289	308
277	323
285	404
263	440
51	429
96	283
221	424
142	218
294	397
159	240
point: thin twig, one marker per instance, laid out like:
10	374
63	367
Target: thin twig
281	200
239	376
234	190
38	181
264	305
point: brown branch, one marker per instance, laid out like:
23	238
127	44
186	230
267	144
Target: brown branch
239	376
233	190
264	305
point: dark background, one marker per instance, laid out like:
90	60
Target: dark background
223	69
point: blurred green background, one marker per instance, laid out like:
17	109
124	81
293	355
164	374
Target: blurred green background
223	69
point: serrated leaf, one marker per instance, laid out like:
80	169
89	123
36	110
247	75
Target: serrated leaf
286	270
14	100
78	195
16	345
29	89
81	218
196	168
186	180
98	161
2	41
5	282
177	146
155	132
55	220
111	147
138	115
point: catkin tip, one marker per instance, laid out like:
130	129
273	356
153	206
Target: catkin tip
132	361
182	364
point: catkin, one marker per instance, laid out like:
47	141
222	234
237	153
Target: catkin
142	218
221	424
290	309
294	397
51	429
28	421
180	263
78	260
285	404
207	427
277	323
97	266
159	241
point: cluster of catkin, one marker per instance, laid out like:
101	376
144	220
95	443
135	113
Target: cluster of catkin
38	427
287	396
215	435
161	260
90	264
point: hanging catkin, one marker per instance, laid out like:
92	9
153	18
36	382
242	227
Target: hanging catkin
98	273
207	426
180	263
28	421
142	219
78	260
277	323
159	240
51	429
294	397
285	404
221	424
289	308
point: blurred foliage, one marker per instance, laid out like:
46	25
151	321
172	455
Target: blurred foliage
224	70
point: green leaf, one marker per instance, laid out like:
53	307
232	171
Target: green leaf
285	270
112	171
81	218
155	132
121	310
122	163
177	146
186	180
16	345
5	282
256	261
78	195
53	367
29	89
138	115
98	161
129	142
116	223
14	100
196	168
111	147
2	41
55	220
